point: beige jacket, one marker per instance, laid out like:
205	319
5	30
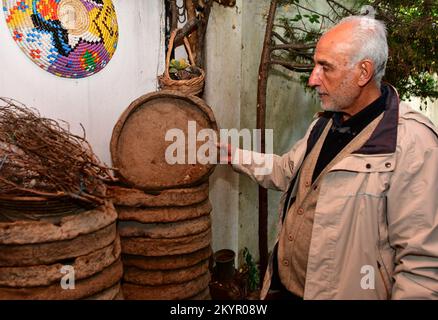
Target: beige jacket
375	231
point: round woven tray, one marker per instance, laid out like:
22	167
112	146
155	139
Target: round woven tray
165	214
162	277
51	230
84	288
130	197
167	262
165	247
138	143
22	255
179	291
30	208
44	275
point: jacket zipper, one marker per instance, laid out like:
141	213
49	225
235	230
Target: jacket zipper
379	266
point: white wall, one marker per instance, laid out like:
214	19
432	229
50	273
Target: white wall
234	44
431	111
289	111
223	95
96	101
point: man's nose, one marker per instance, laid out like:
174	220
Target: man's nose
314	78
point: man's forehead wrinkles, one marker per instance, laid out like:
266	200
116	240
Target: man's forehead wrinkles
323	61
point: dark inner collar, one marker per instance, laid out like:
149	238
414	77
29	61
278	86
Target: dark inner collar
361	119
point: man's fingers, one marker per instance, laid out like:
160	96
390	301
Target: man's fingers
224	152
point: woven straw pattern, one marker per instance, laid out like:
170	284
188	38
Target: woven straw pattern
68	38
192	86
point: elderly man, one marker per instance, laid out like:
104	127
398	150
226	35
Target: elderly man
359	212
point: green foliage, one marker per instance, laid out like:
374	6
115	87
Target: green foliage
177	65
253	271
412	38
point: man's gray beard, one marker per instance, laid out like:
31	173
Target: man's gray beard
330	108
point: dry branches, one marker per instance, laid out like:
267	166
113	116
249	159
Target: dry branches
41	158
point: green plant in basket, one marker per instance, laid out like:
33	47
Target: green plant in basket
177	65
182	70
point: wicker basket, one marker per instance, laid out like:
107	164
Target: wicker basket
192	86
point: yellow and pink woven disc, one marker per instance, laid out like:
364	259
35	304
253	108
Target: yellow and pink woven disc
69	38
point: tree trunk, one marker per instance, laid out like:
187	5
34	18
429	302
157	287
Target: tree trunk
261	124
193	37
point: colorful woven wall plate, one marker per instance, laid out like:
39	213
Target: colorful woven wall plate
69	38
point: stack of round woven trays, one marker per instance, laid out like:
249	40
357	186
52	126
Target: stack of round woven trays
58	233
51	250
164	210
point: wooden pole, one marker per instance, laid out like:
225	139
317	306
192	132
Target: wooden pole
174	15
261	124
202	29
191	16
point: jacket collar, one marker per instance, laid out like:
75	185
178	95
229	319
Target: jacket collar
384	138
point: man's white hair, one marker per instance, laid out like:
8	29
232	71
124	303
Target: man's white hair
369	38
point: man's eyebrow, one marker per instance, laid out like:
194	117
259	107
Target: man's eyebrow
324	63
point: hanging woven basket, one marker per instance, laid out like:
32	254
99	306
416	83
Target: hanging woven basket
192	86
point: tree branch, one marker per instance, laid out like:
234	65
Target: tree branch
292	27
313	11
185	31
302	22
275	34
293	46
174	17
296	67
340	6
202	29
261	124
193	37
333	9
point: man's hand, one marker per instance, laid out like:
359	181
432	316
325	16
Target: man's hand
225	153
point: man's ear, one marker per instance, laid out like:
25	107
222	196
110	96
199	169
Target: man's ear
366	68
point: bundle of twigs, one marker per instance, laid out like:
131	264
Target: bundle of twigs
39	157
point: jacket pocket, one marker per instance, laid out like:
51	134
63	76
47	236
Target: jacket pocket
362	175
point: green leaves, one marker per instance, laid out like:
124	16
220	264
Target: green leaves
412	37
312	18
253	271
297	18
177	65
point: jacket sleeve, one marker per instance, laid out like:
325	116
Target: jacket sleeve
412	203
269	170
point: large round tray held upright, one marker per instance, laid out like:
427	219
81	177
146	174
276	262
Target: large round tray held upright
138	143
